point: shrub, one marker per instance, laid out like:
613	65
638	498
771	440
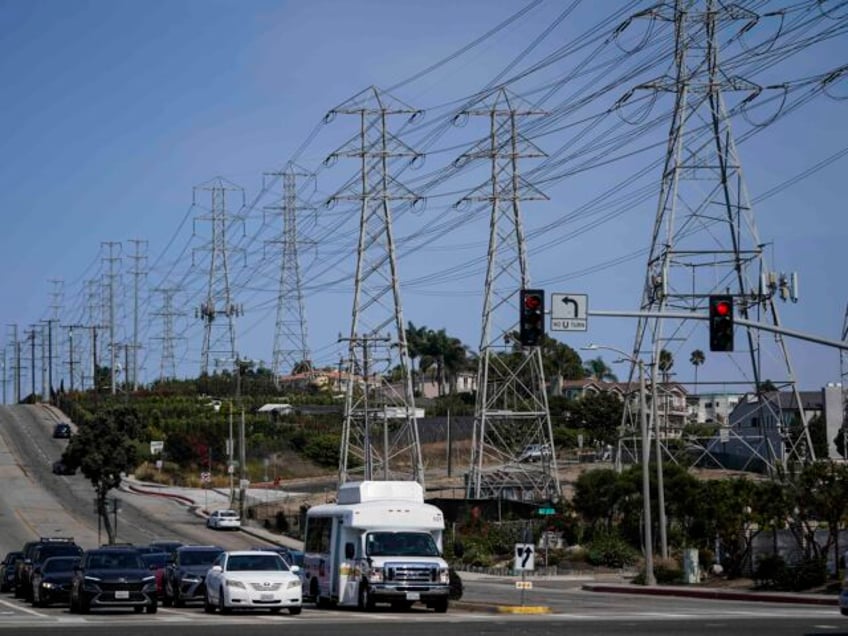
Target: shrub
611	550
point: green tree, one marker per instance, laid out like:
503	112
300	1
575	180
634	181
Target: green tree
597	369
697	358
599	414
561	362
666	362
104	448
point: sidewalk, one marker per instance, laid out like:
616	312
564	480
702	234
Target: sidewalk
717	594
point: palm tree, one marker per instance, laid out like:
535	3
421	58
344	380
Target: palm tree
447	354
697	359
596	368
665	364
416	338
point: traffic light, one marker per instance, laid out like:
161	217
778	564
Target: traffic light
721	323
532	319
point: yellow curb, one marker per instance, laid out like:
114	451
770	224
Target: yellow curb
523	609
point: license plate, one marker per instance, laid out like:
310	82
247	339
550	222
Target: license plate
413	596
122	594
266	597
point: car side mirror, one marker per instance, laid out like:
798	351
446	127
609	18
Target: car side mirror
350	550
294	568
217	568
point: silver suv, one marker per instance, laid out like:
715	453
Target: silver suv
535	453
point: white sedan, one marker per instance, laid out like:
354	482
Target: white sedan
252	579
224	520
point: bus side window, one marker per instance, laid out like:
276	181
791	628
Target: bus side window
350	550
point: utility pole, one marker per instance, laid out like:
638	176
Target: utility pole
137	273
218	337
511	411
377	307
16	344
290	343
32	360
113	345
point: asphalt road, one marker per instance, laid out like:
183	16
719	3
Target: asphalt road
35	502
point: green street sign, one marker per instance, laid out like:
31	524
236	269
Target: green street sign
546	511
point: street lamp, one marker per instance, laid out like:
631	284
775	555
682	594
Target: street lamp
646	458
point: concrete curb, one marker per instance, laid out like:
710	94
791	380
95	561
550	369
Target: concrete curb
714	594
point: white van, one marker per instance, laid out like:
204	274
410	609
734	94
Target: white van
379	543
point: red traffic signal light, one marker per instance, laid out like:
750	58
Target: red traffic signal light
721	323
532	317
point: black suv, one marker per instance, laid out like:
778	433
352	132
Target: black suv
23	569
113	577
42	552
185	576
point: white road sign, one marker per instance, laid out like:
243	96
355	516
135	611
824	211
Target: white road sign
524	557
569	312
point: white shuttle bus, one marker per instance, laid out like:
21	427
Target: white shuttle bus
379	543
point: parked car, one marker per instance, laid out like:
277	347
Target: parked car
62	430
10	561
535	453
843	596
185	576
51	581
224	520
113	577
252	579
156	562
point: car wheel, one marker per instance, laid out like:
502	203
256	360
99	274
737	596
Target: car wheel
152	608
294	611
84	606
844	611
178	602
208	606
366	601
222	606
441	606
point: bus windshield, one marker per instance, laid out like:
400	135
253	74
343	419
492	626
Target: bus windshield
400	544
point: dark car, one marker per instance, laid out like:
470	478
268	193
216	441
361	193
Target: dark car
51	581
166	545
185	576
156	562
7	582
113	577
291	556
62	430
34	553
61	468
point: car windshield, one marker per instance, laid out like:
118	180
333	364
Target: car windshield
159	559
199	557
59	564
256	562
400	544
115	561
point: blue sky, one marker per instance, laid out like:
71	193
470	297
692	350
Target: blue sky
115	110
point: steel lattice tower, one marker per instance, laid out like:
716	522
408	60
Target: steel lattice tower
168	362
219	337
512	405
371	446
290	344
705	241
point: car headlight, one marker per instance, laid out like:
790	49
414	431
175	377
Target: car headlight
232	583
293	584
47	585
444	575
92	579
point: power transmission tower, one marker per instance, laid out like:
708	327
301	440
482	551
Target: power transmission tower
377	319
219	338
95	317
137	273
12	339
168	364
112	246
705	242
290	344
57	296
511	412
843	370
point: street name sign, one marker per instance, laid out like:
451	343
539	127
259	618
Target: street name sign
569	312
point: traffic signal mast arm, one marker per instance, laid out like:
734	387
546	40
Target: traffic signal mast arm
675	315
